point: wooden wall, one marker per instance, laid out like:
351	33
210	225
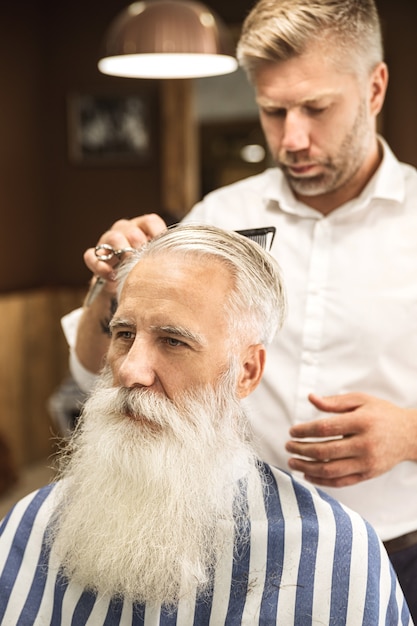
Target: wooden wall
33	362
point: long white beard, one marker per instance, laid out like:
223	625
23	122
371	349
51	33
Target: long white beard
148	501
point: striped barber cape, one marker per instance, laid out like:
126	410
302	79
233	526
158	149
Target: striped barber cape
308	561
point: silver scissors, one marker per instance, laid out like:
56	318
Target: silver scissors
110	252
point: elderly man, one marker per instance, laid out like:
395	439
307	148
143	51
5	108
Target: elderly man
163	514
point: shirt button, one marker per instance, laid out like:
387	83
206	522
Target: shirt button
309	359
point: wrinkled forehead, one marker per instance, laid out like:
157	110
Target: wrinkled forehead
183	278
177	266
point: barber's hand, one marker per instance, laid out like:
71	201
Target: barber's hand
373	436
131	233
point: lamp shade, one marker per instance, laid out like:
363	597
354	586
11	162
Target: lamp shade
167	39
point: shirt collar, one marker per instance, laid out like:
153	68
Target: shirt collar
388	181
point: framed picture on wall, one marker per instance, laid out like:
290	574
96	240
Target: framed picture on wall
109	129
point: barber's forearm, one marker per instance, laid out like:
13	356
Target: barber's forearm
411	455
93	331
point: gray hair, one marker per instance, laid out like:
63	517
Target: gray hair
256	305
277	30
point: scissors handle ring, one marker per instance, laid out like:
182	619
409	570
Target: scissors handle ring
110	252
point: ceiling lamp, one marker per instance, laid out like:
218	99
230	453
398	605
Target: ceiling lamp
167	39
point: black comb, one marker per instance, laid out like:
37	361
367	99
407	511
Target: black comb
263	236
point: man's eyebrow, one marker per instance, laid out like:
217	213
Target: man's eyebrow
319	96
170	329
270	102
118	322
180	331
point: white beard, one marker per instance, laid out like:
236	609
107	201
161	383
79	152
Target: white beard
145	497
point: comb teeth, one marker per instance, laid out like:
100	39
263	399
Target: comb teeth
262	236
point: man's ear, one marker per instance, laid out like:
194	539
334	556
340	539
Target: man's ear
251	369
379	82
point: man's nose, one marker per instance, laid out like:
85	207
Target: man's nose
296	134
137	367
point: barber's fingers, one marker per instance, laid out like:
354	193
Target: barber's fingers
330	473
123	234
104	269
151	224
134	232
339	403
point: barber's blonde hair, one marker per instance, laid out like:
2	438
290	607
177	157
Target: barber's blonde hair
256	305
277	30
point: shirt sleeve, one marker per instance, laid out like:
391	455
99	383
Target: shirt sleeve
83	377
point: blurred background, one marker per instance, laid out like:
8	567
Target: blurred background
63	180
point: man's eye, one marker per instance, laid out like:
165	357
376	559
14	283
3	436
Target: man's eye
315	110
274	112
126	335
173	342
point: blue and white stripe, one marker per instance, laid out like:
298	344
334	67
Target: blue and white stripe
309	561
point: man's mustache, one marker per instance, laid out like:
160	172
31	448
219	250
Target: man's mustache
137	404
149	409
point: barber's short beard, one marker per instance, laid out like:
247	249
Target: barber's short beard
148	502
